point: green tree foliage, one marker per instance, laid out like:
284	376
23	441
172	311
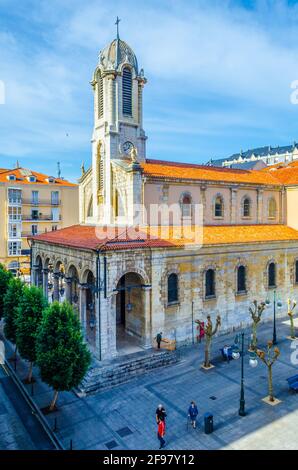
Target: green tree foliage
11	302
5	277
30	310
62	355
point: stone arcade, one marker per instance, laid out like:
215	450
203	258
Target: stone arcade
129	278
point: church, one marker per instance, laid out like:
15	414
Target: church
161	244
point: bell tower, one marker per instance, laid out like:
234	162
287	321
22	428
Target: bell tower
118	119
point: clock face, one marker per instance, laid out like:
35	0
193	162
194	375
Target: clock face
127	147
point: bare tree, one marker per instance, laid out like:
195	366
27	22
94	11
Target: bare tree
209	333
256	311
269	357
291	307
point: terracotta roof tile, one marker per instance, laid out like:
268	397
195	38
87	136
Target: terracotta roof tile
109	239
285	174
22	173
165	169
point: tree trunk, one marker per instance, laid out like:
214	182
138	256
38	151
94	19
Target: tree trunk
292	327
53	403
29	378
14	357
254	335
271	397
207	351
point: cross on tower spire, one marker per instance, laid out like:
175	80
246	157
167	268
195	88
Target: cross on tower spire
117	24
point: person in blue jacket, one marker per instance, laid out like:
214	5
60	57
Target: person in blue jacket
193	413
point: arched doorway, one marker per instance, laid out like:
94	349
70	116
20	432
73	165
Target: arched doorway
90	310
130	313
38	272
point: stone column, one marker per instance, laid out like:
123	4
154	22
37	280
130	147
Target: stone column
34	274
56	277
146	291
282	207
45	282
68	289
111	94
82	306
203	201
108	327
260	206
233	205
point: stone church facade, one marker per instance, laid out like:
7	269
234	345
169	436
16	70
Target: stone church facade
159	243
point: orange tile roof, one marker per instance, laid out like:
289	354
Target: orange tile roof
111	239
187	171
286	174
22	173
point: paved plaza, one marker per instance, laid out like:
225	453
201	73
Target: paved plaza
124	417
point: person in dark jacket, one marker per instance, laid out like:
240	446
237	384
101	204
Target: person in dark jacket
193	413
160	413
158	339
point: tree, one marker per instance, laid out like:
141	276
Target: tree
62	355
269	357
11	302
291	308
30	310
5	277
209	332
256	314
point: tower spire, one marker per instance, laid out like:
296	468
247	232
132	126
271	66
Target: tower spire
117	25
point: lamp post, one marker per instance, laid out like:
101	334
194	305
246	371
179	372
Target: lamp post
277	304
252	362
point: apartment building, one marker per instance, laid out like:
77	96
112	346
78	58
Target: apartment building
32	203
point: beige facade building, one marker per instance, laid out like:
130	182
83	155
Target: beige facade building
161	244
31	203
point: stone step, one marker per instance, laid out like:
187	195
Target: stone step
114	373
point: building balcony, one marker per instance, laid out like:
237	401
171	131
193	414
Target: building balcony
29	234
40	218
41	202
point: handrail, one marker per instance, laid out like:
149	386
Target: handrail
35	410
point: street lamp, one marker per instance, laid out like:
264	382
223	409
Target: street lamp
277	304
252	362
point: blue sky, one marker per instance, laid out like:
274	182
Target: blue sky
219	76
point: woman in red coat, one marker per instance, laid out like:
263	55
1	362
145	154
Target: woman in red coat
161	429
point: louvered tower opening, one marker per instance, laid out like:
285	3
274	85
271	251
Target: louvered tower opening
100	96
127	91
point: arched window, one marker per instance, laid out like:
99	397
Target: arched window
172	288
127	91
210	283
90	208
218	207
100	95
241	279
246	210
186	205
272	208
296	272
272	275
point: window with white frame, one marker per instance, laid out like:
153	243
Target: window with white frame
14	248
14	196
14	213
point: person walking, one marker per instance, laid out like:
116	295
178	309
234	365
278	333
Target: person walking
160	413
161	429
158	339
193	413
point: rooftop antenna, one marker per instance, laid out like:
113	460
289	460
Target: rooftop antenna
59	169
17	164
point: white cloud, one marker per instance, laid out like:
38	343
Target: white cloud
230	67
